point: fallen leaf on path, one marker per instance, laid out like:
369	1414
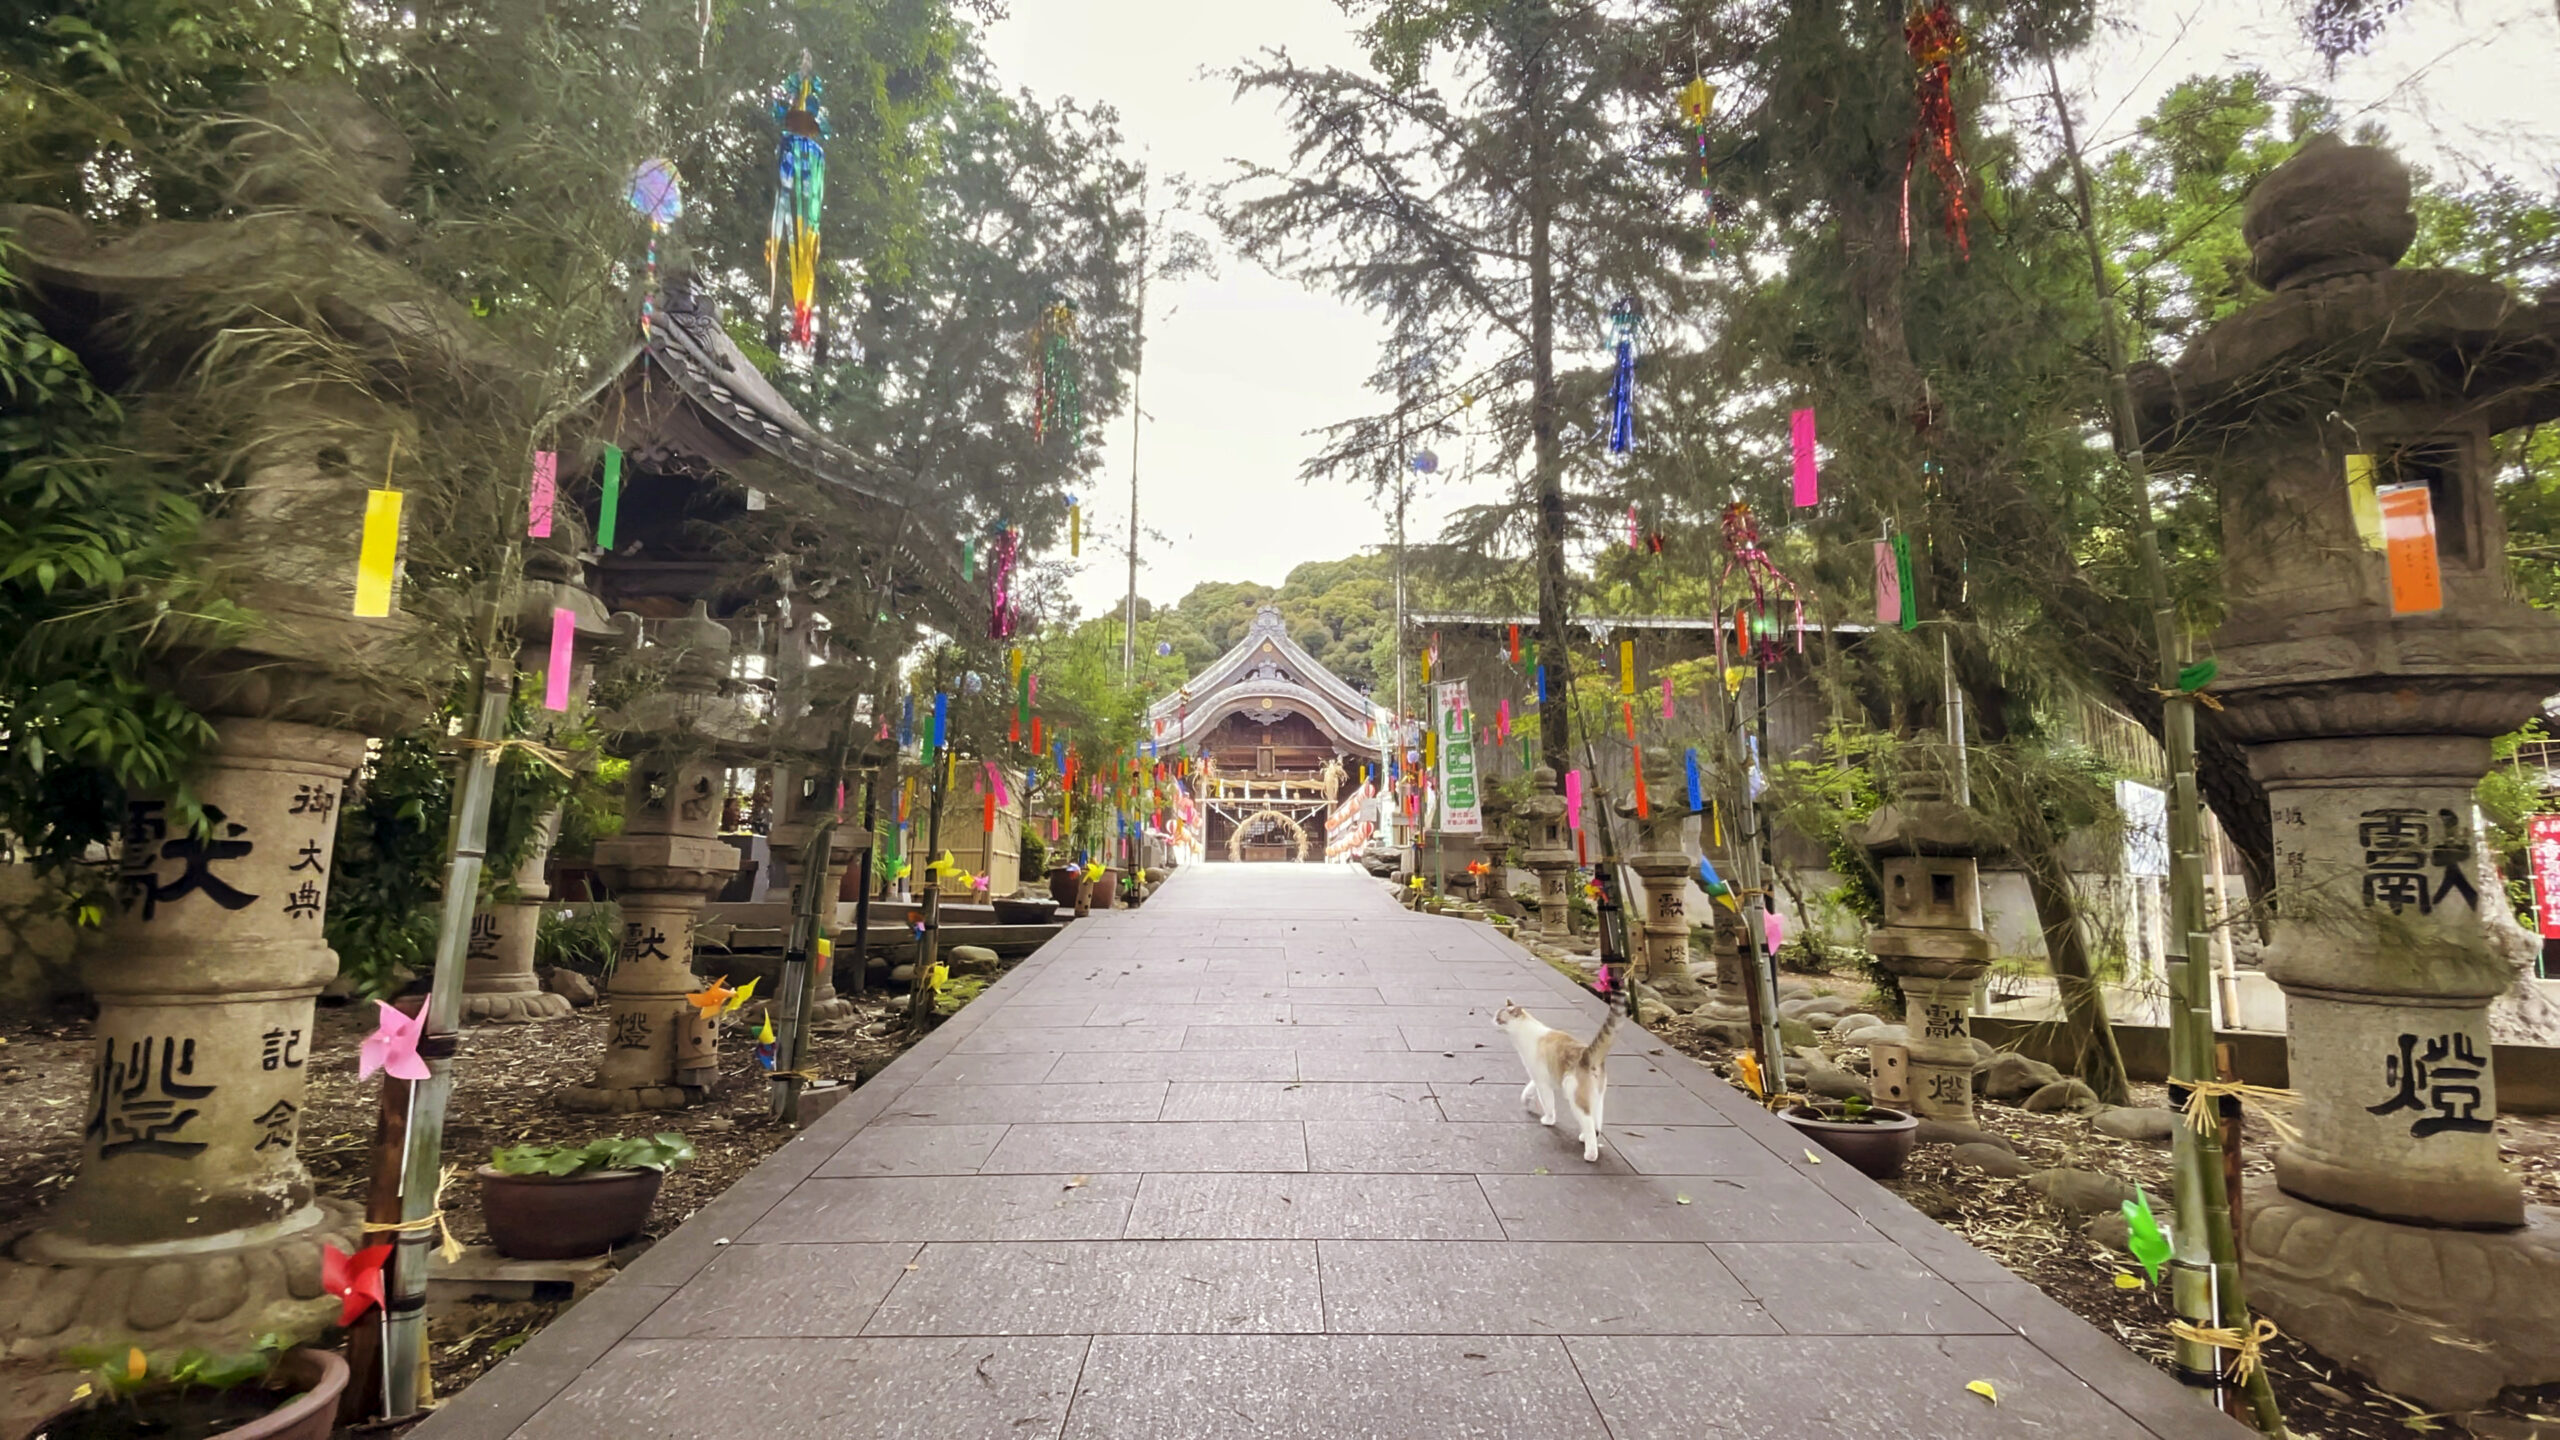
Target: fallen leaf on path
1812	1159
1983	1389
1679	1199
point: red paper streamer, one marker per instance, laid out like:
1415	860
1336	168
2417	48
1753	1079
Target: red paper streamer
1935	40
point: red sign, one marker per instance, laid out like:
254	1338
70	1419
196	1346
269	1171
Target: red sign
2542	852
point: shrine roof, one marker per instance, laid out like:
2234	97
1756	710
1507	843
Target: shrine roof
1266	666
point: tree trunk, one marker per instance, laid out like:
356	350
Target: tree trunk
2089	1041
1555	654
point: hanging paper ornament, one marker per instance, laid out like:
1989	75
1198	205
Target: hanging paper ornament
1622	381
1888	585
544	496
609	507
1635	530
1002	618
800	112
2146	1239
1075	527
1057	400
1626	667
2362	504
1666	697
1502	721
1760	576
1808	480
1697	785
1424	462
1936	40
2409	535
969	559
941	719
377	553
555	681
1697	108
1902	581
658	194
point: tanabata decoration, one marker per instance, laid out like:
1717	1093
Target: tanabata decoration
2362	504
1697	108
1573	798
766	1046
1002	619
969	559
609	502
1622	380
1057	399
1502	720
1666	697
1697	784
392	1048
378	552
1936	40
1424	462
1761	580
1626	667
1515	644
1713	883
1075	527
1910	617
658	194
1773	930
800	112
2409	533
555	680
1164	649
941	720
1888	585
1808	478
544	495
355	1279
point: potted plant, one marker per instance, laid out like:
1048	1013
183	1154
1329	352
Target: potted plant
561	1202
273	1392
1873	1138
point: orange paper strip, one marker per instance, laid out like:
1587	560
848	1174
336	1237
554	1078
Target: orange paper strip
2409	536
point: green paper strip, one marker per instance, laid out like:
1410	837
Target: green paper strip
611	505
1902	574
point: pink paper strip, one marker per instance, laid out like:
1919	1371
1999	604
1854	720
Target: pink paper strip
1666	697
1888	586
1773	930
1573	798
1502	720
564	639
546	491
1808	483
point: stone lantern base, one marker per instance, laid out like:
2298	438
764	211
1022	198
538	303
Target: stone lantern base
213	1291
2447	1317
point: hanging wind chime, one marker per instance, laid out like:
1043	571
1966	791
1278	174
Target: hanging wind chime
1057	398
1622	380
1936	40
800	109
658	194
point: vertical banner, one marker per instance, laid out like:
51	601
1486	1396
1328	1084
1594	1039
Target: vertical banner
2542	852
2409	535
1808	479
1461	809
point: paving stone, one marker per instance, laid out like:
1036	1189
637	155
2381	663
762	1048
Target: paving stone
1299	1100
1156	1287
915	1150
1070	1038
950	1207
1563	1206
1859	1387
1499	1100
1462	1067
750	1291
1036	1014
1319	1387
1105	1065
1873	1288
1443	1147
1224	1012
1292	1037
1022	1067
1510	1288
975	1386
1690	1149
1023	1104
1142	1146
1311	1207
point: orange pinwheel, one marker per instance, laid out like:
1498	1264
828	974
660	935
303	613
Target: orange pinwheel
713	998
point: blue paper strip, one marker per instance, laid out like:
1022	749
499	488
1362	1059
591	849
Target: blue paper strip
1697	791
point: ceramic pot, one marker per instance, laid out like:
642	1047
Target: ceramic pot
565	1217
1876	1145
310	1383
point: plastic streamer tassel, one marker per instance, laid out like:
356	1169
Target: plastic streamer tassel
657	192
1760	577
1622	380
800	111
1697	108
1936	40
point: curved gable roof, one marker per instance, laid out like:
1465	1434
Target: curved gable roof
1266	664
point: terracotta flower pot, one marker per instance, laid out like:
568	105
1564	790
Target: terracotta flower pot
1876	1145
1066	885
308	1382
565	1217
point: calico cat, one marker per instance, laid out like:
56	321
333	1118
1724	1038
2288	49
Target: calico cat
1561	1067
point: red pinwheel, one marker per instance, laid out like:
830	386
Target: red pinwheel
355	1279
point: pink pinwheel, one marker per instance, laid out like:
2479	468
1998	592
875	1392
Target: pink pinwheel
355	1279
393	1046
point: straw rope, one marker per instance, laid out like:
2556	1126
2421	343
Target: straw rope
2247	1344
446	1245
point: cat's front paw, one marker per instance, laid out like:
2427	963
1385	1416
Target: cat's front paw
1591	1152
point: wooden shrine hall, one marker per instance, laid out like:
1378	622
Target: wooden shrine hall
1279	738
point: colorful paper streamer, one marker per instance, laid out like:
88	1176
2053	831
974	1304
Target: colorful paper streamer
1808	479
609	507
1697	783
378	553
564	639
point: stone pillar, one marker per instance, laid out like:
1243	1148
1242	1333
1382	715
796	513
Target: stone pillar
664	867
192	1219
1932	938
846	844
2393	1238
1549	854
499	985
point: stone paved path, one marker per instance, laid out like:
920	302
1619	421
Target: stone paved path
1251	1162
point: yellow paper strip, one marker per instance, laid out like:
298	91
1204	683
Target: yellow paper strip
1626	667
2360	500
379	554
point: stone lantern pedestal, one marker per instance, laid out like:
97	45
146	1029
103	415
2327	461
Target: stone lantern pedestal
1495	843
1549	854
499	985
2393	1237
1932	940
1662	868
847	844
192	1219
1730	999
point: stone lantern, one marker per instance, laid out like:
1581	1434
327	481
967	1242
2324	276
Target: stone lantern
499	985
664	867
1730	1000
1662	866
1932	940
2393	1237
1495	842
1549	853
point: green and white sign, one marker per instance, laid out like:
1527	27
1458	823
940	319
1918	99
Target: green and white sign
1461	808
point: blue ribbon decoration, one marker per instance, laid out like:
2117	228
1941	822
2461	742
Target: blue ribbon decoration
1622	383
941	719
1697	791
1715	882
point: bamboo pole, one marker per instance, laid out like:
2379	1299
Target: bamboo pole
2205	1282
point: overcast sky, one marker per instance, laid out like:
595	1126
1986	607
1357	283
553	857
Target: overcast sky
1240	369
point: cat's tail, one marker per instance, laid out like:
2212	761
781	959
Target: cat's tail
1597	1052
